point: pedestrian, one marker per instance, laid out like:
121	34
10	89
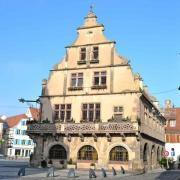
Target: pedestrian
50	169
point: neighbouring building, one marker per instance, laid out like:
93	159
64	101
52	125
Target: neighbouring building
2	118
172	115
94	109
17	142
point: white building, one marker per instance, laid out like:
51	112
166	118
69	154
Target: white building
17	143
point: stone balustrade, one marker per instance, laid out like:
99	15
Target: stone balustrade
87	128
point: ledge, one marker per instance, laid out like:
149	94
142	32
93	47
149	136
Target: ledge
94	61
99	87
75	88
81	62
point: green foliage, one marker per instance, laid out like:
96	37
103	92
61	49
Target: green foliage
163	162
45	121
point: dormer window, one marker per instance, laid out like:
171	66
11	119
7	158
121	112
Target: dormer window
95	55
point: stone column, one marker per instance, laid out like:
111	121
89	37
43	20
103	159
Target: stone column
38	151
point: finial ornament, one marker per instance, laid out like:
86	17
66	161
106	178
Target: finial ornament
91	8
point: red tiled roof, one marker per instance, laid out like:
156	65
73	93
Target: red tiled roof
14	120
34	113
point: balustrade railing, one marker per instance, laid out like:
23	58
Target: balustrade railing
111	127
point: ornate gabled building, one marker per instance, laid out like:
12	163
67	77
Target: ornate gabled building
94	109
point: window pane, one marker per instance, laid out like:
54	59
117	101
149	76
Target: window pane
68	106
91	115
96	80
83	54
62	106
56	115
95	52
62	114
73	82
96	74
80	82
91	106
56	106
84	115
103	80
97	106
68	115
97	114
84	106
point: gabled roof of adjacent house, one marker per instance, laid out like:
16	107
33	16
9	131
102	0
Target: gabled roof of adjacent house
34	113
14	120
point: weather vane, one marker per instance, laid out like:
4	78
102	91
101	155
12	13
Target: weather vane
91	7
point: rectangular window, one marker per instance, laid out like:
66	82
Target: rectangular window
29	142
95	53
23	142
16	141
172	122
23	123
83	54
118	112
17	152
62	112
77	80
23	132
91	112
99	78
18	131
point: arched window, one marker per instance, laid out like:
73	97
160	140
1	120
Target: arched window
118	153
57	152
87	153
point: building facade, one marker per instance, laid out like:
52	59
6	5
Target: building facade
172	115
17	143
94	109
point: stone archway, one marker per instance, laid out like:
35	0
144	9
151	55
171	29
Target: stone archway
158	154
88	153
146	157
153	156
57	152
119	153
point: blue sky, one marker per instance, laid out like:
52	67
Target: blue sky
33	35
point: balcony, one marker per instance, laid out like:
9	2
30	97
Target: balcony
83	128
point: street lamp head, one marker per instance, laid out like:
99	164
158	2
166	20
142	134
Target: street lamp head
179	88
21	100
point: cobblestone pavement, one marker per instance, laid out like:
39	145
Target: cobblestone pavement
9	170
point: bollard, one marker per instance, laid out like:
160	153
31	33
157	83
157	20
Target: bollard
114	172
103	172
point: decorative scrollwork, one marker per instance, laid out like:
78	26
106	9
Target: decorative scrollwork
79	127
116	127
